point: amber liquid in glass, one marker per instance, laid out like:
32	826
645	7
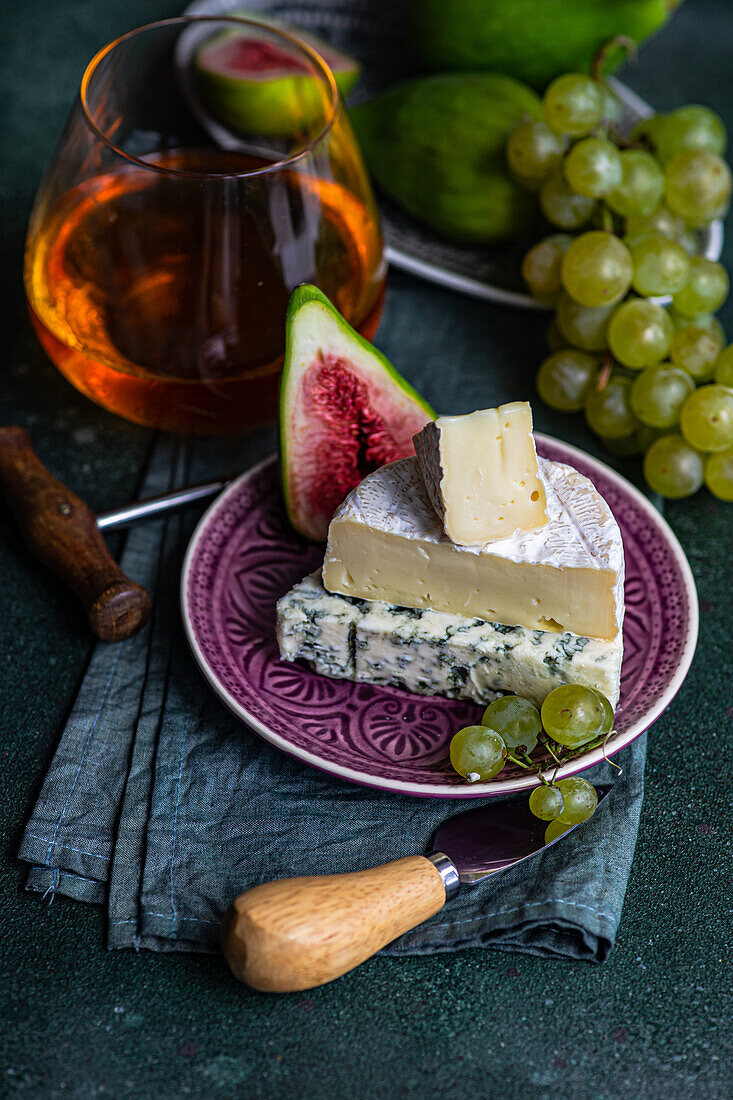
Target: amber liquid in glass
166	303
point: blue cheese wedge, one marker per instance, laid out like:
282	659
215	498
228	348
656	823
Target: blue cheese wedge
386	543
319	628
435	653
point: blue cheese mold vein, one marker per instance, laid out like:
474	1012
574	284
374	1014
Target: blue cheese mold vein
437	653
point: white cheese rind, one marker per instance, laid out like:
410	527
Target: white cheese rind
480	473
386	543
433	653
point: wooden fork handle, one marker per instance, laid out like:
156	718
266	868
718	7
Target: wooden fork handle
61	531
297	933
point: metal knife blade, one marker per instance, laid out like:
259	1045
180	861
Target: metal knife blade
155	506
491	838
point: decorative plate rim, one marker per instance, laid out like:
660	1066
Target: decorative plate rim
439	790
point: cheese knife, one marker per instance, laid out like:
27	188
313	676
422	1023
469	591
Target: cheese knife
63	533
297	933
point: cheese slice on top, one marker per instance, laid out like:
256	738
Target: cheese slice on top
480	472
386	542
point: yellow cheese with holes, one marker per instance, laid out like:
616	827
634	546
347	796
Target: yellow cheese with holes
480	472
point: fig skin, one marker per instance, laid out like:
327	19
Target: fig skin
344	411
268	100
532	40
436	145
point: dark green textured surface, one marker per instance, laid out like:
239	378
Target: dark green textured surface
78	1021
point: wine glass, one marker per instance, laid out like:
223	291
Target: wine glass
193	187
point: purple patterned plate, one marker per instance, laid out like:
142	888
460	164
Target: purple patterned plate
243	556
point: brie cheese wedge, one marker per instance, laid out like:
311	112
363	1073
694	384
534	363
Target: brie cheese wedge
386	543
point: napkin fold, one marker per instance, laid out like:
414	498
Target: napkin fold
161	806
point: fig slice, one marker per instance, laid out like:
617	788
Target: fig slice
344	411
252	84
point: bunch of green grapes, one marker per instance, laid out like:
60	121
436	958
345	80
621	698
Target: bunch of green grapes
634	343
572	718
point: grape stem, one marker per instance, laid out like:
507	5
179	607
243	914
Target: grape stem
600	57
605	372
551	746
622	140
560	755
516	756
611	762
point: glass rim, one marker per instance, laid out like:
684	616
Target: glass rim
322	69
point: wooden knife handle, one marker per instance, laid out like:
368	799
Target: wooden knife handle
61	531
297	933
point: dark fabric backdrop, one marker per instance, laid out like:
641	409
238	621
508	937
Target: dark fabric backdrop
78	1021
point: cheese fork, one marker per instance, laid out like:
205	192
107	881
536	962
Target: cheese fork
297	933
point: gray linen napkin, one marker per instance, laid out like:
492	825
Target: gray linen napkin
161	806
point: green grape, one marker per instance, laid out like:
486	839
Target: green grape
541	267
707	321
561	206
579	800
640	333
661	266
573	104
583	327
647	129
608	715
477	753
645	436
689	242
705	290
533	150
697	185
516	720
546	803
608	411
707	418
641	186
724	367
555	339
664	224
572	715
624	446
696	350
661	221
593	167
690	128
719	474
596	269
565	378
673	468
555	830
658	393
